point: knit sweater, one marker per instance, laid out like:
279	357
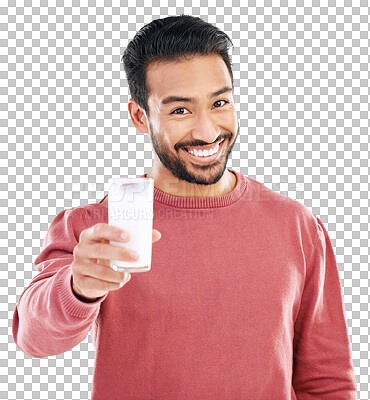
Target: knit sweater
243	301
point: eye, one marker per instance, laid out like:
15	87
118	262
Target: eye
177	109
183	108
219	101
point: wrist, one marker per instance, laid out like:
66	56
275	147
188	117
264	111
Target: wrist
80	297
85	299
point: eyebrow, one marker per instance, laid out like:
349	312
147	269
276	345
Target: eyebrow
174	99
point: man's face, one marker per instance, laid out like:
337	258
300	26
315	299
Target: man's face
191	104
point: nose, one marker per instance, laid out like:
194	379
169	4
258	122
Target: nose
205	130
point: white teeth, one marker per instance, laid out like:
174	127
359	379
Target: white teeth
205	153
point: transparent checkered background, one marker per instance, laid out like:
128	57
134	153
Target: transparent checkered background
301	72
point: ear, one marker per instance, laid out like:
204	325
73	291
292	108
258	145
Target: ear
138	116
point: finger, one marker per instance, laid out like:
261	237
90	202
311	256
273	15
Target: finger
105	251
101	231
103	261
93	286
101	272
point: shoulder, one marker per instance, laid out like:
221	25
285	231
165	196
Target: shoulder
282	211
82	217
92	213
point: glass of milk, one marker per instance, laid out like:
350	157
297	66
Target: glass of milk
130	207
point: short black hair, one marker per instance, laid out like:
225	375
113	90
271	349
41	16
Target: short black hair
170	39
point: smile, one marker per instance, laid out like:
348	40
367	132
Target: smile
205	156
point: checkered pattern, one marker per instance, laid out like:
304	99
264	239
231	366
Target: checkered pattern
301	72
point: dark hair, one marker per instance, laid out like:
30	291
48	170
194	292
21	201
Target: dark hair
170	39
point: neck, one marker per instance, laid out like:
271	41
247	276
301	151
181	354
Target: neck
172	185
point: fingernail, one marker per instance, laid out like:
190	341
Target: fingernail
126	278
134	254
124	235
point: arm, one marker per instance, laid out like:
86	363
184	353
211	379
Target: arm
322	365
49	318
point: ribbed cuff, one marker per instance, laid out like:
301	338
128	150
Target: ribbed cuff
70	302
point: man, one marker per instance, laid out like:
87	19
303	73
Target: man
243	299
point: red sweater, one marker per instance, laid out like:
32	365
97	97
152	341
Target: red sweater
243	301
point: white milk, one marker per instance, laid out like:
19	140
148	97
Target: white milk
130	207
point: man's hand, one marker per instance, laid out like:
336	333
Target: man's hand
92	276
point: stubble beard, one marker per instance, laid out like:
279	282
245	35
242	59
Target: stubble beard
208	174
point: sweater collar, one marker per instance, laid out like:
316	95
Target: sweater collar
198	202
203	202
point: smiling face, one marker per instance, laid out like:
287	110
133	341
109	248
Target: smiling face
191	105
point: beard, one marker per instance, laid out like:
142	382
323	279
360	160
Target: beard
204	174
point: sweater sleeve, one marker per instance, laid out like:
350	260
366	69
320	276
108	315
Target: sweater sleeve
322	364
49	319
